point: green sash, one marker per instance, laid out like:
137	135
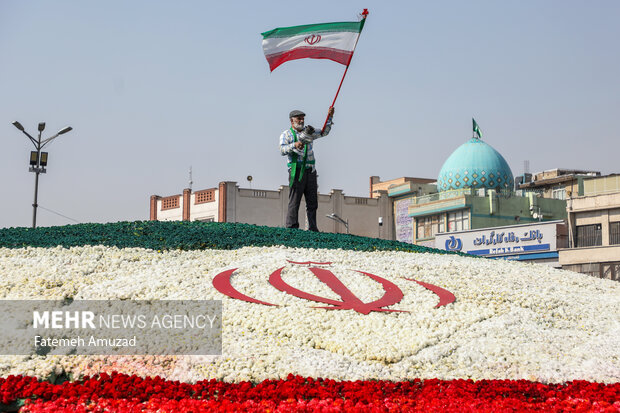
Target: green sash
293	165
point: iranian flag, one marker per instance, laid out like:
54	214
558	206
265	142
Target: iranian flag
333	41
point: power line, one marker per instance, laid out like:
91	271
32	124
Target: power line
59	214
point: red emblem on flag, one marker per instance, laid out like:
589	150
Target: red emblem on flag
313	39
392	294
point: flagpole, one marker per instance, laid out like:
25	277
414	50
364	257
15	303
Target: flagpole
364	15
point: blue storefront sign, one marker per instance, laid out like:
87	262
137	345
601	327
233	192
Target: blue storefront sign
528	241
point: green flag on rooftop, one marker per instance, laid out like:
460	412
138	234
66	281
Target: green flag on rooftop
477	129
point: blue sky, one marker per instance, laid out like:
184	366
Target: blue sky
152	88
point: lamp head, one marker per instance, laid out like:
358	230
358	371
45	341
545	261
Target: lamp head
65	130
18	126
41	126
34	158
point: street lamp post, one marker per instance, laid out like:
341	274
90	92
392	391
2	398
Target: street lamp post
38	159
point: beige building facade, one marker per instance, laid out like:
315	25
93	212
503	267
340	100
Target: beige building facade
419	186
594	229
369	217
556	183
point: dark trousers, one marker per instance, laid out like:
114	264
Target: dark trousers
308	188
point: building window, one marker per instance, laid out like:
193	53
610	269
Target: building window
614	233
608	270
611	271
423	227
202	197
170	202
589	235
458	221
207	219
558	193
429	226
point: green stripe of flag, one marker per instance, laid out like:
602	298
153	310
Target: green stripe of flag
314	28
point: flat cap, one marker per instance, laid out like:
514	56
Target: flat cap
296	113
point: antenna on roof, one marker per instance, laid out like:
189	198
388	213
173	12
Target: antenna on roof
526	169
190	178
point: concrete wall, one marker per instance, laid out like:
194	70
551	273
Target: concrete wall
262	207
259	207
171	214
585	255
204	211
268	207
595	202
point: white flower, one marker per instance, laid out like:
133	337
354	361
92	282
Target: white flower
509	321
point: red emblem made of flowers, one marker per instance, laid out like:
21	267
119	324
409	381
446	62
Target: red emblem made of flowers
313	39
392	294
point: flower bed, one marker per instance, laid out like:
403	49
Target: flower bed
130	393
159	235
508	321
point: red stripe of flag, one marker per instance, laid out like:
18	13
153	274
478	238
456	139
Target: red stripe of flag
340	56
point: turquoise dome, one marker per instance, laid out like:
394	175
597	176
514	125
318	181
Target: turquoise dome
475	164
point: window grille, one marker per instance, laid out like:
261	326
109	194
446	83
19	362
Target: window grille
589	235
614	233
170	202
202	197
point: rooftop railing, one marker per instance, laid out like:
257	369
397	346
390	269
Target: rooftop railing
424	199
455	193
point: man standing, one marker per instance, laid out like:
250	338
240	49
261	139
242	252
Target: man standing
296	144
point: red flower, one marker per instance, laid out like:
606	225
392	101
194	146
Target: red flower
122	393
